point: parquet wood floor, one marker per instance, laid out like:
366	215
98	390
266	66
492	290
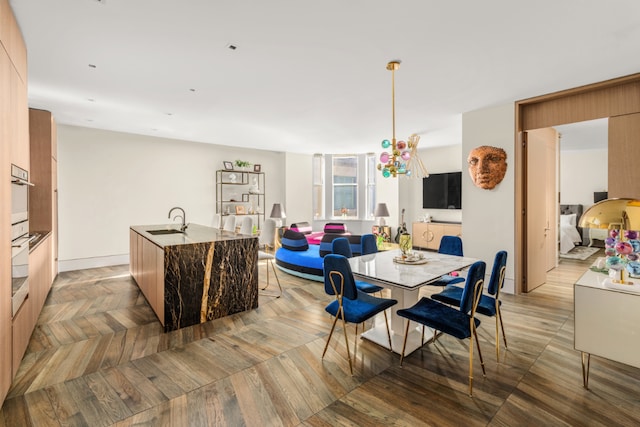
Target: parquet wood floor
98	357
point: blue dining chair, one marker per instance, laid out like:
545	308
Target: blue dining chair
460	323
449	245
350	305
342	246
369	244
489	305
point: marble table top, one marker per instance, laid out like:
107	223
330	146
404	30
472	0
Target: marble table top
381	268
195	233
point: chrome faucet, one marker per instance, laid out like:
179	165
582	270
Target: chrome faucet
184	226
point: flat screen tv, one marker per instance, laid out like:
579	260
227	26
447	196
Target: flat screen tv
442	191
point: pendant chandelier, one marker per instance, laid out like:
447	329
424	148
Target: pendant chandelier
402	154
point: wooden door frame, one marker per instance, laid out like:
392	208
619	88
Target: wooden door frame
595	101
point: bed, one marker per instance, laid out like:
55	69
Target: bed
569	234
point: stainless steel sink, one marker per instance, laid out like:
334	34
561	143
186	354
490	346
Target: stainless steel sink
165	231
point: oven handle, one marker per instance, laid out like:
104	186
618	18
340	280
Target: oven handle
19	181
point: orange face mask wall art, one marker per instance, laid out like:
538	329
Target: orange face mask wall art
487	166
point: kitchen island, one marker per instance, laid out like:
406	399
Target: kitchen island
194	276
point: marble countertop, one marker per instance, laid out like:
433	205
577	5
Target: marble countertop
195	233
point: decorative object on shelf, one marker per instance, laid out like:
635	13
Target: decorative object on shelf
242	164
240	210
622	247
233	178
255	188
228	165
397	161
405	244
257	168
277	213
381	212
487	166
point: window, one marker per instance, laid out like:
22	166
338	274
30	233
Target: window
318	186
345	186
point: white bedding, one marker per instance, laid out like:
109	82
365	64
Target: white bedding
569	235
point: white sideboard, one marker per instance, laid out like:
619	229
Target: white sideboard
607	321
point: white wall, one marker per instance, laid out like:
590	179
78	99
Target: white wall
108	181
488	215
298	201
581	173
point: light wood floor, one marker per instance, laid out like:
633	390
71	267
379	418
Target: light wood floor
98	357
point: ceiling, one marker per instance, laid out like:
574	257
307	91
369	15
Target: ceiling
309	76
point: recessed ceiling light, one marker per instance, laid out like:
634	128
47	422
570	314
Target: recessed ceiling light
232	46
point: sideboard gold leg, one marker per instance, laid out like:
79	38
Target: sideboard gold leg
586	359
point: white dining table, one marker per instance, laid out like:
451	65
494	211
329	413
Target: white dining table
404	281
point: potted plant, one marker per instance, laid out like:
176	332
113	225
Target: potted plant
242	164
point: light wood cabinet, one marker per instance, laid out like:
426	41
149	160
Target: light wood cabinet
146	264
5	227
26	318
427	235
43	197
14	148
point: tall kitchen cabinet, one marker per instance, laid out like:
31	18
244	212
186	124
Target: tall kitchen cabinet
240	193
43	198
14	148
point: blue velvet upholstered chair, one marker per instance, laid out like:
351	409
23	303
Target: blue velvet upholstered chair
489	305
449	245
350	305
460	323
341	246
369	244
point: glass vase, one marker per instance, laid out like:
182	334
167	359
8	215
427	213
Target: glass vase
405	244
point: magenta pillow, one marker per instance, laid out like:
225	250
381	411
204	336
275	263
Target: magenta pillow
301	227
335	227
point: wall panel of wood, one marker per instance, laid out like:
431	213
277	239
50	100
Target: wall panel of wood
624	154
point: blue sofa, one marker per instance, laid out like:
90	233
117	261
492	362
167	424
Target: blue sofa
300	259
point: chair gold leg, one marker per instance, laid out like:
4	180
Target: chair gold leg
346	342
333	327
276	295
404	343
484	373
497	340
386	322
504	336
471	366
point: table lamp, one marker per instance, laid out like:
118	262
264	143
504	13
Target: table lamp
277	213
381	212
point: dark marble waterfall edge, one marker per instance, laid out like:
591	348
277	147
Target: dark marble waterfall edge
233	286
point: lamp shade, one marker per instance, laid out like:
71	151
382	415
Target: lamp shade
381	210
277	211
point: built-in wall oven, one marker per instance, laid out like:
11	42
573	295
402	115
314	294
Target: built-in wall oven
19	237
